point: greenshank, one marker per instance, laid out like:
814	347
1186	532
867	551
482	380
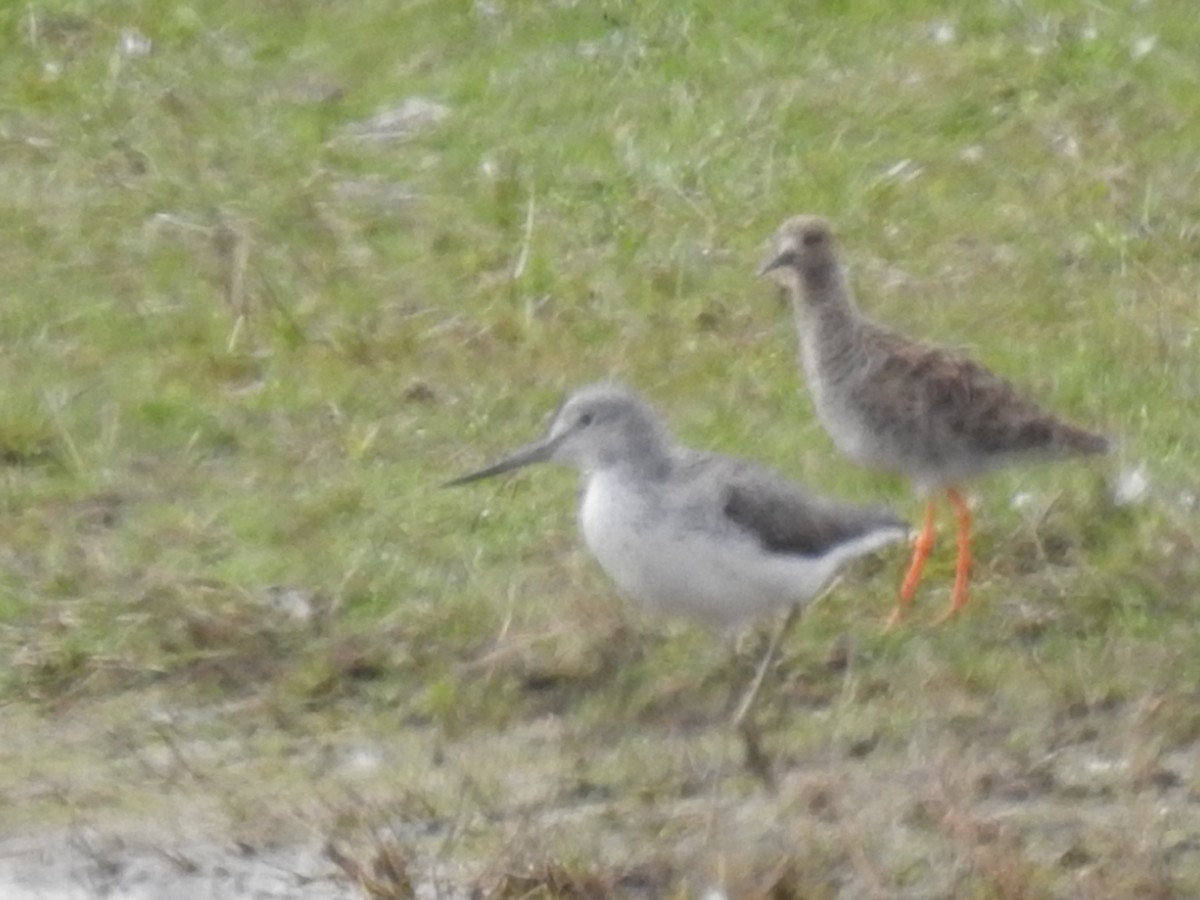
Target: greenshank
711	538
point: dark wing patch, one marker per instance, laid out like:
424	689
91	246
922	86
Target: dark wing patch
784	519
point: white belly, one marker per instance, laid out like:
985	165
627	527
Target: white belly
720	579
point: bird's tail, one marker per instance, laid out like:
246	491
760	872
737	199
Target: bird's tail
1085	443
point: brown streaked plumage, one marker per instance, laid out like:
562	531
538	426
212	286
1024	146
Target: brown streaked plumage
894	403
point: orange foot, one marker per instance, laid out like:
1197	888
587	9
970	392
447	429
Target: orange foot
921	550
962	567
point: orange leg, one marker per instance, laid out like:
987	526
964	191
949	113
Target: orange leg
962	568
921	550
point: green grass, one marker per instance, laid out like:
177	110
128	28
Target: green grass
242	348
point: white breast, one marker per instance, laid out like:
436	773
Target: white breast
722	579
841	422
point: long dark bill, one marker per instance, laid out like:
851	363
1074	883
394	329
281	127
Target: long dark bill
539	451
776	262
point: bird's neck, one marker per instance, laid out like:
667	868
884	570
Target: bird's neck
826	315
823	286
647	457
821	297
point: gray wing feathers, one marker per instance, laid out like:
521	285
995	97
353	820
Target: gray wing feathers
784	518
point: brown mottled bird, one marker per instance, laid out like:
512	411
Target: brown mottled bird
894	403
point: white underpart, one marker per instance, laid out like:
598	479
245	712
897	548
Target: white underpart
844	427
722	579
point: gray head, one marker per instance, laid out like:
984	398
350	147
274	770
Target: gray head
804	249
601	426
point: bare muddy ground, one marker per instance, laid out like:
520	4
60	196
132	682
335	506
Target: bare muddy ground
109	801
79	864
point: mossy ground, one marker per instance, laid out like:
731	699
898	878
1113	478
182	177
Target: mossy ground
244	342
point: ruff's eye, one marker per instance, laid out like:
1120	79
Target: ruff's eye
585	420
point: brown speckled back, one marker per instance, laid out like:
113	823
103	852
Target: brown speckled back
895	403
